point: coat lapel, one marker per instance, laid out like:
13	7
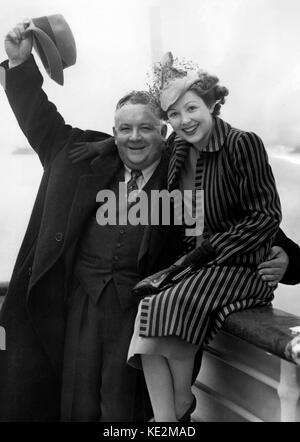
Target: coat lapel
178	157
153	240
180	148
83	203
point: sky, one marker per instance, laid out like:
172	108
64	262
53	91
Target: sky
107	35
251	45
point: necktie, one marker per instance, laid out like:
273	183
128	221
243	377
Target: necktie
132	186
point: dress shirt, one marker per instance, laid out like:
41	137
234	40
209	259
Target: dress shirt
144	178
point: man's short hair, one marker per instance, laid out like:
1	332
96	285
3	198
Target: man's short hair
140	97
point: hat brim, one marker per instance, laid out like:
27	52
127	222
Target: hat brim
64	39
48	54
176	89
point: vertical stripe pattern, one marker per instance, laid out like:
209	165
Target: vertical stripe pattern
242	215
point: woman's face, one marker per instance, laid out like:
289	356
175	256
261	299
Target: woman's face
191	119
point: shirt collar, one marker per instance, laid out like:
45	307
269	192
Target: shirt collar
148	172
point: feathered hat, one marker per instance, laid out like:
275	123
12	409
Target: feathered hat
170	83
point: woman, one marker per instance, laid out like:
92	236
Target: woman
241	217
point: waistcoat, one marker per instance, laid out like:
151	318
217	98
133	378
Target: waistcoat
109	252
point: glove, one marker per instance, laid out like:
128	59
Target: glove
161	280
199	257
84	150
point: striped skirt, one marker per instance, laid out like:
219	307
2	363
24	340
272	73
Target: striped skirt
196	308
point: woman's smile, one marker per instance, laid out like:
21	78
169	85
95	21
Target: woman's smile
191	130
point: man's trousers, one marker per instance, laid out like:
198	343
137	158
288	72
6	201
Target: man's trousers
98	384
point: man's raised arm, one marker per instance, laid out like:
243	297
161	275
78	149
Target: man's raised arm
38	118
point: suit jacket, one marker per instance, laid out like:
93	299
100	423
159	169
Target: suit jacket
33	312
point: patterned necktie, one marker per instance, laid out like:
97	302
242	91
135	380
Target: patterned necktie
132	186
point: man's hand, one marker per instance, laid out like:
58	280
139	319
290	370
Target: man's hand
275	267
84	151
18	44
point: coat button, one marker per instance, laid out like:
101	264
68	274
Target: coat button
29	271
58	236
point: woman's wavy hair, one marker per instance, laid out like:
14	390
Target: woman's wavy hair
210	91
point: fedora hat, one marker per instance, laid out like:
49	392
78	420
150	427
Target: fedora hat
54	43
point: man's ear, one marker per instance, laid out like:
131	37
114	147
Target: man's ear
114	131
164	130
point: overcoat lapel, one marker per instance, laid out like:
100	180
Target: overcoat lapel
153	242
103	170
178	157
89	185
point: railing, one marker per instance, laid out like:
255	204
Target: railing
3	289
251	370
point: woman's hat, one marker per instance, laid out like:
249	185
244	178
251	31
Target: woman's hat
170	82
54	43
175	89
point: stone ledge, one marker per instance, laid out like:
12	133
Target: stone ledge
269	329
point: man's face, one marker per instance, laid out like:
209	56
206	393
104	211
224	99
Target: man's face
139	135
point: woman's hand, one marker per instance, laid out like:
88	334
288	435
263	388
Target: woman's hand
84	151
274	268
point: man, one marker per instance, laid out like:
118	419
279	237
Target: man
69	313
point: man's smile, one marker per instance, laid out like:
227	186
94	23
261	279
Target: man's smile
136	147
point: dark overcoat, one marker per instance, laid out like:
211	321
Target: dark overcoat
33	313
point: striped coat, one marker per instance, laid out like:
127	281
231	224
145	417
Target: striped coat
242	215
